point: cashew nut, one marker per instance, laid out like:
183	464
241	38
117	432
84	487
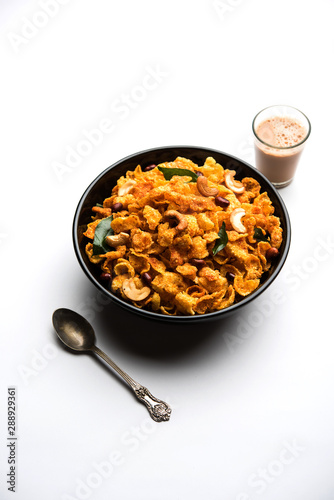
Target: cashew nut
116	240
235	219
182	219
127	187
232	184
132	292
204	189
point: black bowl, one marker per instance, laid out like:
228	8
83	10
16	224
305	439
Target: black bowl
101	187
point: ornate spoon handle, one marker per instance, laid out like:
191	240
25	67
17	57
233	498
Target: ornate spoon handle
158	410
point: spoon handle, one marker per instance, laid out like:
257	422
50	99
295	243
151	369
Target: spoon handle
113	365
158	409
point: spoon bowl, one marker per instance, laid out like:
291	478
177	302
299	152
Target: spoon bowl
73	330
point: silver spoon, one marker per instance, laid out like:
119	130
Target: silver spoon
77	334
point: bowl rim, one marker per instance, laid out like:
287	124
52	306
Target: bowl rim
197	317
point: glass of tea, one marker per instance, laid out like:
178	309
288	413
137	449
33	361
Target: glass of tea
280	134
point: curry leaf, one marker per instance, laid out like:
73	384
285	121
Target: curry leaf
102	230
170	172
259	235
222	240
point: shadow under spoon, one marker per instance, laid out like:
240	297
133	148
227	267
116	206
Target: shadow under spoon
78	335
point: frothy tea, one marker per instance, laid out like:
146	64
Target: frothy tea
281	131
276	148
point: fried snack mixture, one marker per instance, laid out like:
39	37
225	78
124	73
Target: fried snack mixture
183	239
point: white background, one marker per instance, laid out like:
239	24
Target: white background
252	395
